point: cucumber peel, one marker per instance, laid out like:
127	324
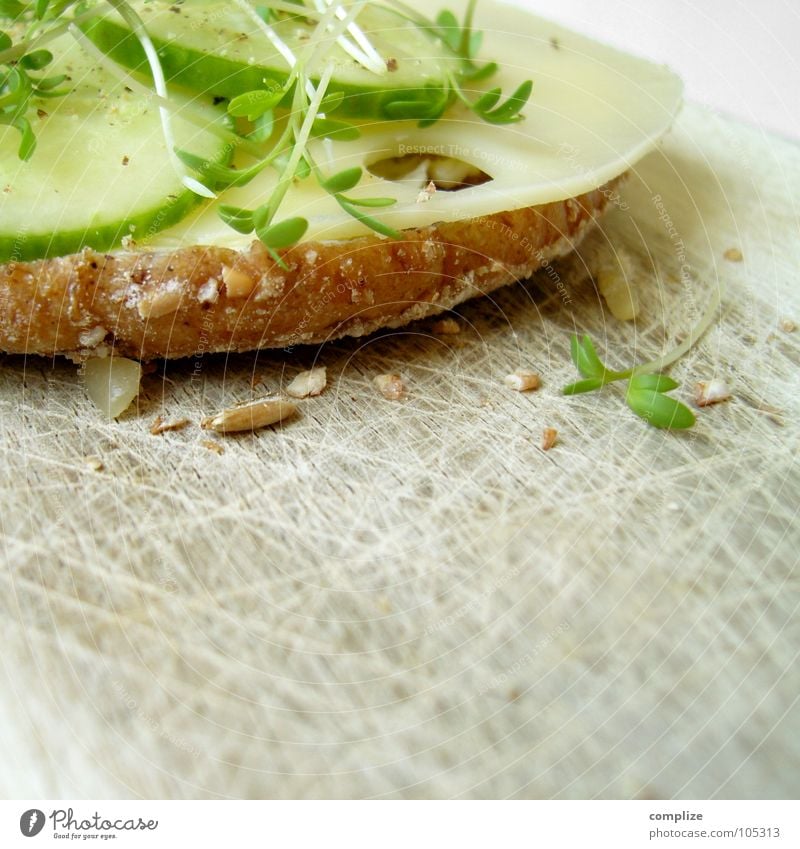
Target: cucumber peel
100	171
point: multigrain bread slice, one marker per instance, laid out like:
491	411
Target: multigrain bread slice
196	300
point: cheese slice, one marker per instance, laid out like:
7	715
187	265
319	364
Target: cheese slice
594	112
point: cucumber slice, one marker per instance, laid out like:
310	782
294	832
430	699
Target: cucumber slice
101	170
215	47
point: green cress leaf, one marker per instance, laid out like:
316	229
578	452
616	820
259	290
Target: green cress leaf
449	30
367	220
508	112
660	410
401	110
219	176
331	102
5	38
654	382
370	203
475	41
41	9
284	234
253	104
262	127
585	357
488	100
27	143
37	60
239	219
342	181
481	73
46	87
580	386
330	128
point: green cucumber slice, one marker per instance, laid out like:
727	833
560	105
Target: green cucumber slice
214	47
101	170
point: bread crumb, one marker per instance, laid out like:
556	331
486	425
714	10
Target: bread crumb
249	417
158	304
707	392
391	386
615	278
549	437
308	383
787	325
213	446
733	255
391	64
94	463
92	338
209	291
446	327
427	193
522	381
159	426
238	284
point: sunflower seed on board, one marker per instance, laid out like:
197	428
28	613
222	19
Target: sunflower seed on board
249	417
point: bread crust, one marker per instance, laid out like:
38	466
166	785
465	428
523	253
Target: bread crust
196	300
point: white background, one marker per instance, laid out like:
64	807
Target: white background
739	57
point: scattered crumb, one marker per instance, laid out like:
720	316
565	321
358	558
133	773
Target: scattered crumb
93	337
238	284
446	327
549	437
159	426
711	392
427	193
213	446
40	113
249	417
787	325
308	383
126	160
160	303
555	43
522	381
615	278
94	463
733	255
209	291
391	64
391	386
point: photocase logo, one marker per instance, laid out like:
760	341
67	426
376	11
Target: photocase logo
31	822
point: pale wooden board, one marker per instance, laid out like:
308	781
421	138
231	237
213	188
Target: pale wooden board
412	599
